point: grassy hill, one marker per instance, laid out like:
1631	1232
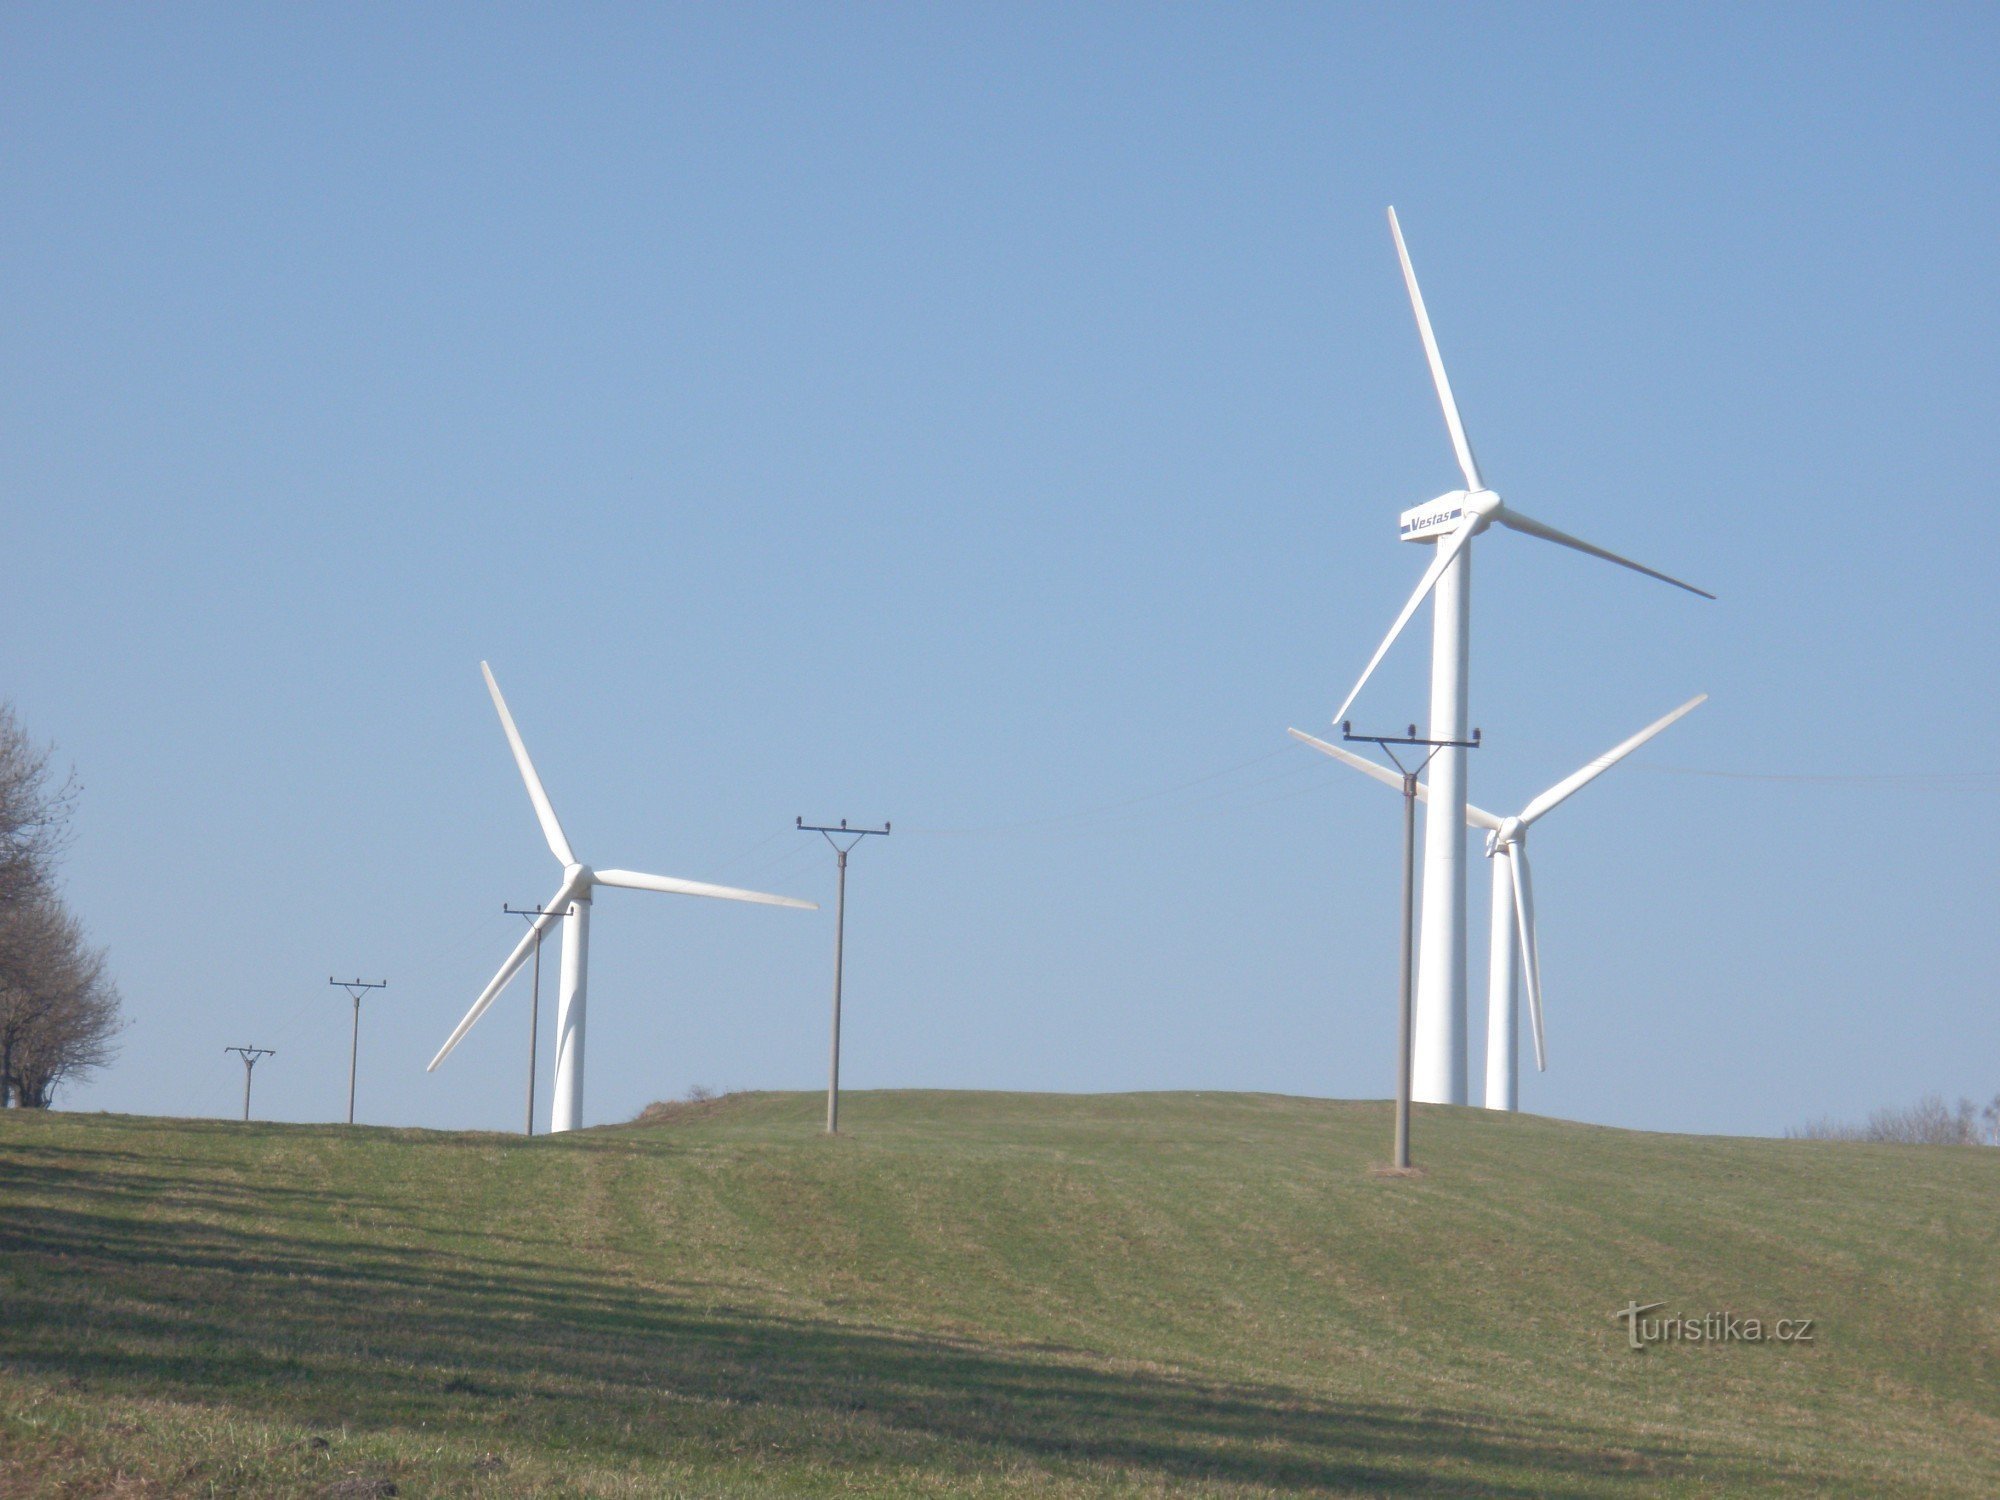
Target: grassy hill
985	1294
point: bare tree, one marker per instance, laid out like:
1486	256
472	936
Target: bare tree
35	811
1928	1122
59	1009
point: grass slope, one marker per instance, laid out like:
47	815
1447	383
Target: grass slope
985	1294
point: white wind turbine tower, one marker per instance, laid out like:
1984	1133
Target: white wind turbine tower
1449	523
571	904
1512	932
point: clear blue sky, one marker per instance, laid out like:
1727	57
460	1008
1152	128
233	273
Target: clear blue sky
995	419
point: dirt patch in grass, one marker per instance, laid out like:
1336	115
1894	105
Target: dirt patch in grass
359	1487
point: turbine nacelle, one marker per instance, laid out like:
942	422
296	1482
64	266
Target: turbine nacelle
1511	834
1442	516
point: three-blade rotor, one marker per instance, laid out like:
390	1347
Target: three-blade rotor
1508	838
578	879
1481	508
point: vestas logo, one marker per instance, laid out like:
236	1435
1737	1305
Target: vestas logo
1437	520
1425	521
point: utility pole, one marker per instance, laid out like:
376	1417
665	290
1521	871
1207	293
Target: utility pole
834	836
1406	951
357	988
250	1058
534	1006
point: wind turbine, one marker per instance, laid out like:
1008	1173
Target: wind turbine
1449	523
571	904
1513	927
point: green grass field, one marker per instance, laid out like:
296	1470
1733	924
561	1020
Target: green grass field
986	1294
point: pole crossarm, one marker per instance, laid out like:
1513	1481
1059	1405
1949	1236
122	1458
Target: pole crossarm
1409	737
251	1057
834	835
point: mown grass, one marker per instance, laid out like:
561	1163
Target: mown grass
985	1294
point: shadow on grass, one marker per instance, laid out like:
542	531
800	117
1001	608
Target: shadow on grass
152	1281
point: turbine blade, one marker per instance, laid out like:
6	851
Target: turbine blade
1475	817
1460	444
1531	953
1577	780
551	829
1508	516
634	880
1447	548
565	893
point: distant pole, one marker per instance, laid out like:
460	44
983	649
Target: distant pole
833	836
1406	949
250	1056
357	988
534	1006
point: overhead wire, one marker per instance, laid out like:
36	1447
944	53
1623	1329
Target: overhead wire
1218	803
1102	811
734	861
1877	778
780	861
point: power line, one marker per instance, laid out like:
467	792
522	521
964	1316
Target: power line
735	860
250	1056
835	837
1102	809
357	988
1907	778
770	864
